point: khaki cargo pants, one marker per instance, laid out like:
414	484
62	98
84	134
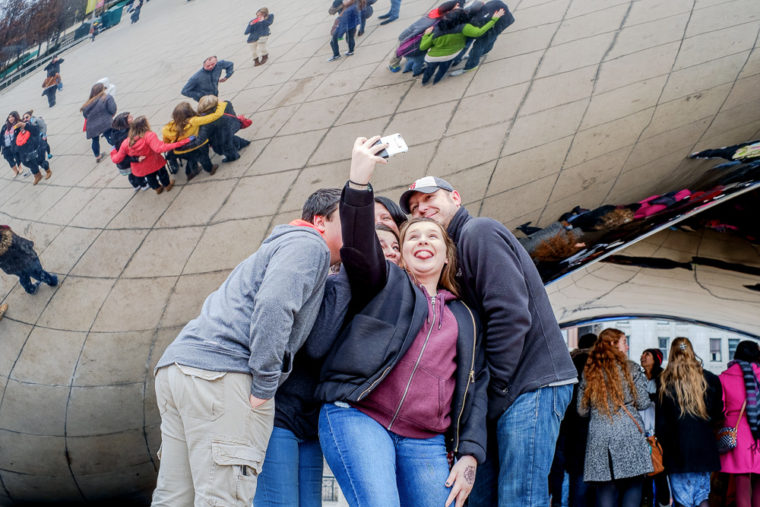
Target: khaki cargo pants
259	47
212	442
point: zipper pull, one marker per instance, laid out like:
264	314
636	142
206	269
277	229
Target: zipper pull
472	375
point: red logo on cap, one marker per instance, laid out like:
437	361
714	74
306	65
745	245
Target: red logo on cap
411	187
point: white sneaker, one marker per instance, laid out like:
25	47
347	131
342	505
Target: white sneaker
145	187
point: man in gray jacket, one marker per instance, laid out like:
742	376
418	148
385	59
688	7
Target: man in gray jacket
216	382
206	81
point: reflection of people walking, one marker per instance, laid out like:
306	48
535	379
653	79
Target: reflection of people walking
17	257
98	112
8	142
258	34
53	68
50	86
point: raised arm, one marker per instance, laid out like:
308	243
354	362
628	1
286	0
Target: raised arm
211	117
118	155
361	254
156	145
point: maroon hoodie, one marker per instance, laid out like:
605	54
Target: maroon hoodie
414	400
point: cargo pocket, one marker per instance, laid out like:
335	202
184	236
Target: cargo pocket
241	464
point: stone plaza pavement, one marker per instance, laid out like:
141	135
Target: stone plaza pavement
580	102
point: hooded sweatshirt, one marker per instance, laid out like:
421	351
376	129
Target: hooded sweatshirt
149	147
260	316
405	402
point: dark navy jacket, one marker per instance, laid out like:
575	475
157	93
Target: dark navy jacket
296	406
206	82
389	312
525	349
260	29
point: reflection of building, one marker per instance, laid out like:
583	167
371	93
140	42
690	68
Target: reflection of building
714	346
332	496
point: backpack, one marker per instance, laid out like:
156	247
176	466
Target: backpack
409	45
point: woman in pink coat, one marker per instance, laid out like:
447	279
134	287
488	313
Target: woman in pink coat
744	460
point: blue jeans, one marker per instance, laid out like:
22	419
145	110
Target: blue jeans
395	9
438	68
526	434
461	54
377	468
414	64
481	46
33	269
292	472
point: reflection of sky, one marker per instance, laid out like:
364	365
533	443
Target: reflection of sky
643	228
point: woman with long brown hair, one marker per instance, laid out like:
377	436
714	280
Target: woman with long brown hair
98	113
613	390
144	146
185	123
690	407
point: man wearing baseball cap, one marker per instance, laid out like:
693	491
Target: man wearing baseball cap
531	370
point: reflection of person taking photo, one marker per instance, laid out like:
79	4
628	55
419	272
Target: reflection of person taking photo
258	33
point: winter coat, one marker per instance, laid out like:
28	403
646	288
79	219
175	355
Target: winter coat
30	151
688	442
221	132
16	253
171	135
617	441
524	345
206	82
484	15
574	427
745	458
53	68
116	137
259	28
256	321
420	25
347	20
149	147
38	122
7	133
387	312
99	115
438	43
296	404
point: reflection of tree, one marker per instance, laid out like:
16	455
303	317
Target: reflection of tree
24	24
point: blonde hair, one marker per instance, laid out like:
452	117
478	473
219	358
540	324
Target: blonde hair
447	279
683	379
207	104
603	383
264	11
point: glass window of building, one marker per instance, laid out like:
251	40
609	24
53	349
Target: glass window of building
662	343
732	344
715	347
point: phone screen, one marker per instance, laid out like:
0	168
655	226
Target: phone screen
396	144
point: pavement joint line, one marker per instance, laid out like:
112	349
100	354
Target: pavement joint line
609	49
523	100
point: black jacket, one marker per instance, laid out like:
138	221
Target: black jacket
525	349
53	68
296	405
260	29
574	427
688	442
391	311
221	133
30	150
486	13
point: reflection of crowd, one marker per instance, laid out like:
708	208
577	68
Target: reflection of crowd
621	410
581	235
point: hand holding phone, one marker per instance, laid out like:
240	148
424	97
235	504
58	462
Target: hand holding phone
396	144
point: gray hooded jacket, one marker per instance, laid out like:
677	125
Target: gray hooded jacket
260	316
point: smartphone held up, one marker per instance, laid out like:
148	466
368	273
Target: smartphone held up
396	144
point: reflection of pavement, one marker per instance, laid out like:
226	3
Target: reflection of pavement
519	136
